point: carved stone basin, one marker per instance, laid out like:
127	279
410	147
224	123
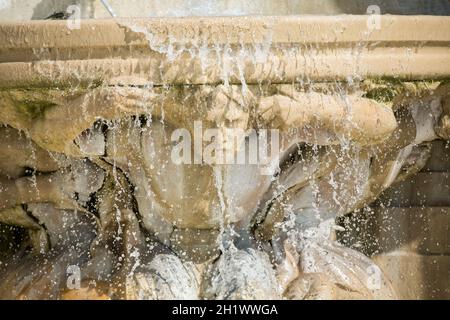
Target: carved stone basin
124	139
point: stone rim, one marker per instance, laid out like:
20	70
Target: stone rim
322	48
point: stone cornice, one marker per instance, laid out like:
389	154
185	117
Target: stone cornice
217	50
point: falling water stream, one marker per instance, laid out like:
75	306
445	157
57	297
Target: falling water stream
105	211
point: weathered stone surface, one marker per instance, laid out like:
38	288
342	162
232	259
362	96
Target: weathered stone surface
420	230
354	118
197	245
35	9
165	278
65	227
100	105
19	217
417	276
19	153
61	188
242	274
329	269
440	157
424	189
150	61
443	127
84	293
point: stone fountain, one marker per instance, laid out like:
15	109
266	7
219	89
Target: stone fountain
121	144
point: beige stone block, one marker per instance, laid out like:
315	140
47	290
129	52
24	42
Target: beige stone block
421	230
398	195
392	228
431	189
428	189
440	157
417	276
430	230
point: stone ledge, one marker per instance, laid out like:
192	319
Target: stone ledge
341	29
256	49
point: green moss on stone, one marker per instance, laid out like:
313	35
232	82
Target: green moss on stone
33	108
382	94
386	91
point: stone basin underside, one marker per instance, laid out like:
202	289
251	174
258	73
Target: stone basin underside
87	171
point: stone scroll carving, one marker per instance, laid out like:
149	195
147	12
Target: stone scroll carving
91	179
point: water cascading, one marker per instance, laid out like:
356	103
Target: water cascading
208	158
